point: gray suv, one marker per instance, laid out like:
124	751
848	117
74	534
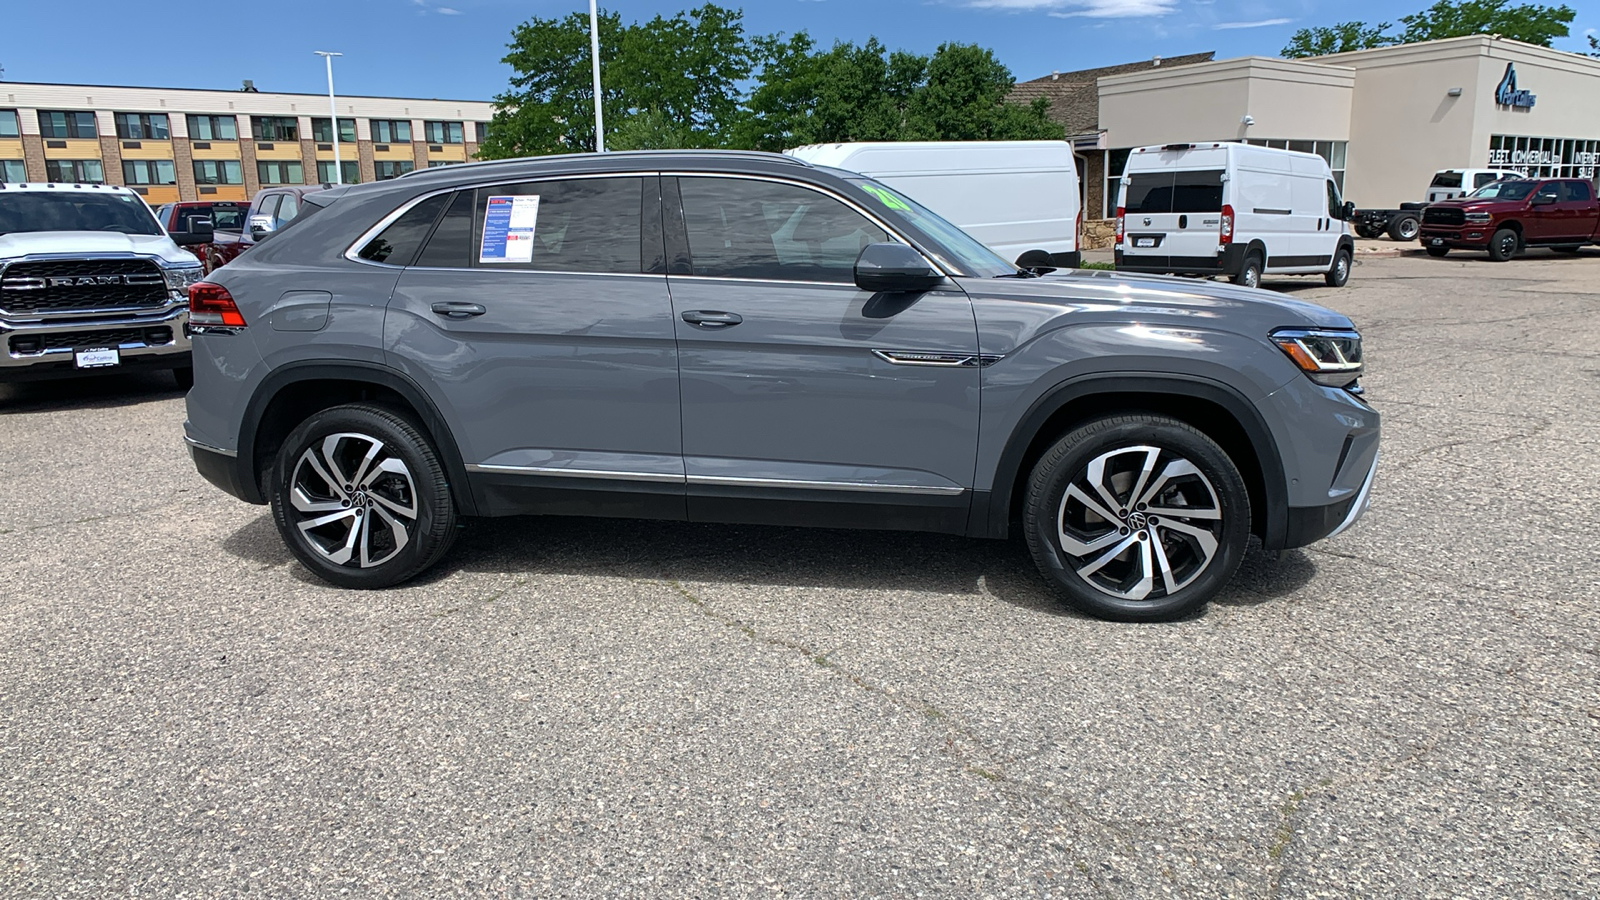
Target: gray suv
746	338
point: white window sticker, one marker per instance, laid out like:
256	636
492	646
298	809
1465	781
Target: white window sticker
508	227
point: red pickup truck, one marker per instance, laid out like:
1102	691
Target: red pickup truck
271	209
1508	216
192	223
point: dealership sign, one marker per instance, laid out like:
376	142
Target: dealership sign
1506	94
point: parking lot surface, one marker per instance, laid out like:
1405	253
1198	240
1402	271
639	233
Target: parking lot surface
575	707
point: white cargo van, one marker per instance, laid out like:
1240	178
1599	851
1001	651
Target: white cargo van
1014	196
1231	209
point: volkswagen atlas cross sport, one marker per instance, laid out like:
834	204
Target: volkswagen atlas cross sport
746	338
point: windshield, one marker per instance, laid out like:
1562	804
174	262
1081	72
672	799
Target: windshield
1505	190
958	251
23	211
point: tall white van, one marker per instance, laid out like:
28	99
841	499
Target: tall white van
1232	209
1013	196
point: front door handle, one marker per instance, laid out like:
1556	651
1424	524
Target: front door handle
710	318
455	309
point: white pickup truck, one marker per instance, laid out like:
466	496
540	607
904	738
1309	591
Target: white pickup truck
89	282
1404	223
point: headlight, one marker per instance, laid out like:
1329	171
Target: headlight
179	279
1478	217
1332	358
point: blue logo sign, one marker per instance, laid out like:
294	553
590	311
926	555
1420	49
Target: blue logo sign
1506	94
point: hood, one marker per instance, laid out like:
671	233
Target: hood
1199	302
1480	203
86	243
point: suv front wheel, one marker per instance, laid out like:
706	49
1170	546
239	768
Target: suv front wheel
360	497
1136	517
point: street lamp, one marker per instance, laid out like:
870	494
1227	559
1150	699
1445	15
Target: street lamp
333	115
594	56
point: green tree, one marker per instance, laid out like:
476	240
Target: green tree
1531	23
682	71
963	99
1594	46
1340	38
651	129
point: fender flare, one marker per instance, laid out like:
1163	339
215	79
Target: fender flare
991	512
359	371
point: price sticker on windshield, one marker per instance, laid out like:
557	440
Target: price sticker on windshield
508	227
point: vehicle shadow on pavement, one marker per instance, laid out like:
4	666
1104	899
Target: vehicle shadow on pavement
89	392
766	555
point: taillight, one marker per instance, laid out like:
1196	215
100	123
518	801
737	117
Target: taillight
1121	224
211	304
1226	237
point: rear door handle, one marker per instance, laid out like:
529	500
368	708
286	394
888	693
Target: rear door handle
710	318
455	309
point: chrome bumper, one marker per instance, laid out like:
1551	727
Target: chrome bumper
1363	499
69	332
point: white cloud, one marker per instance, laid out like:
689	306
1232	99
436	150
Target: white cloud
1094	9
1261	24
447	11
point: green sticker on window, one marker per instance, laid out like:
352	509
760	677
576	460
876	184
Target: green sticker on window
886	198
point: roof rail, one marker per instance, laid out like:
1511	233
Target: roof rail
664	154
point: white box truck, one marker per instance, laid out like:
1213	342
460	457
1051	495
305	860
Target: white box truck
1013	196
1232	209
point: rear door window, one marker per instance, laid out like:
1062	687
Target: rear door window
578	225
1149	192
1197	192
1576	191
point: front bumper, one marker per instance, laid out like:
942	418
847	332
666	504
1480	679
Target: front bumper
47	345
1228	261
1309	524
1466	237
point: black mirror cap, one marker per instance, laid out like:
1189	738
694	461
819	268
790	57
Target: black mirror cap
1349	210
191	238
894	268
1039	262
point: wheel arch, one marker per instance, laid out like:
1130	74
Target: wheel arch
1215	409
292	393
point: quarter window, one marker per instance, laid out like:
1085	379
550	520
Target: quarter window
67	124
451	244
275	128
213	128
148	171
391	131
277	171
580	225
398	244
741	228
217	171
142	126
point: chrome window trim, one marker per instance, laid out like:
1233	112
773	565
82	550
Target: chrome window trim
726	480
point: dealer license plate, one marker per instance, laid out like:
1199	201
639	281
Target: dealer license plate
1438	242
98	358
1144	242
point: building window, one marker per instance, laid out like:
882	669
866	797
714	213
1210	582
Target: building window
142	126
442	132
148	171
1331	151
86	171
218	171
438	163
482	130
280	171
8	123
390	131
321	133
213	128
1541	157
275	128
67	124
350	168
1116	161
13	170
386	169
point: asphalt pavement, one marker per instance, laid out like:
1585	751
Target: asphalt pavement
575	707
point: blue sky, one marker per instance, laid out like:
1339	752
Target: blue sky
452	48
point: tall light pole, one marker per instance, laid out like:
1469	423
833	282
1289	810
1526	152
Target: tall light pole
333	115
594	56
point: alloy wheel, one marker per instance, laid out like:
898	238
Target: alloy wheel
1139	523
354	499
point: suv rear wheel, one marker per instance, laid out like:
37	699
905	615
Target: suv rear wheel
1136	517
360	497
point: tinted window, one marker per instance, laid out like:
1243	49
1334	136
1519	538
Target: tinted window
22	211
1197	192
1335	204
268	206
1505	190
1149	192
1550	189
1576	191
1446	180
1483	178
740	228
398	244
451	244
288	209
582	225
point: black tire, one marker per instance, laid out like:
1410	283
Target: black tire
1438	252
1404	228
1249	273
405	492
1338	274
1121	445
1367	231
1504	244
184	376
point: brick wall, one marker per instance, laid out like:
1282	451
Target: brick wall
33	156
183	162
111	158
364	155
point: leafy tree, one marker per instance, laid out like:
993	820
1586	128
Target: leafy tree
1594	46
1532	23
963	99
1340	38
651	129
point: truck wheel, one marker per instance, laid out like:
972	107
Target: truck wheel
1136	517
1249	273
360	498
1404	228
1438	252
1367	231
1339	273
1503	245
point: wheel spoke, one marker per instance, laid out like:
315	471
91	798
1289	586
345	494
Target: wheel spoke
1097	478
342	555
402	536
1079	548
1185	512
1206	540
304	502
1075	493
310	459
1175	469
372	453
330	448
1108	556
1150	456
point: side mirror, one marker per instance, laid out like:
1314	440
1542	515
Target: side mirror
1543	199
1036	261
894	268
200	231
260	226
1348	211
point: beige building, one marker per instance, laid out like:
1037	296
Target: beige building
178	144
1385	119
